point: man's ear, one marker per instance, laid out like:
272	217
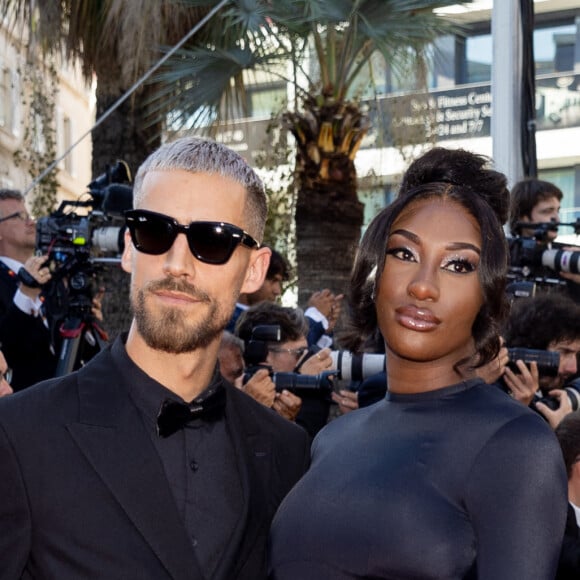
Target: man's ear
256	272
127	257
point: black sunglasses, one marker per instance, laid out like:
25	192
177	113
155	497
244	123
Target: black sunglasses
210	242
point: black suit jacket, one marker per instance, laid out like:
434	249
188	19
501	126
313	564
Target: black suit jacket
25	339
569	565
83	493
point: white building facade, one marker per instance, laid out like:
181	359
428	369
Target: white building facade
74	117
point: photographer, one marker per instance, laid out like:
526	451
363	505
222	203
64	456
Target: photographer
537	202
534	201
568	434
26	320
290	354
322	311
547	322
260	385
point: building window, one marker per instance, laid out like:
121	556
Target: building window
264	100
478	59
554	48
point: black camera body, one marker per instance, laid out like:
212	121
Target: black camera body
548	361
548	364
572	389
256	349
95	234
301	385
76	243
256	352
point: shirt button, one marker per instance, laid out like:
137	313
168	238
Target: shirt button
194	465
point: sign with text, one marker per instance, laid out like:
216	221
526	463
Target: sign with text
415	118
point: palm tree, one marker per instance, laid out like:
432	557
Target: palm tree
205	81
114	41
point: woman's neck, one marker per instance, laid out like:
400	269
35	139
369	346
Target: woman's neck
408	376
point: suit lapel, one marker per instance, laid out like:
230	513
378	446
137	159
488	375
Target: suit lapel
254	454
113	438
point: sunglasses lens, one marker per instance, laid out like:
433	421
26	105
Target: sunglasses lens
152	234
211	243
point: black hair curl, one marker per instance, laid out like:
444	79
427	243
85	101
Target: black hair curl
464	168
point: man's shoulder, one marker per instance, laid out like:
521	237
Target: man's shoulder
58	395
40	404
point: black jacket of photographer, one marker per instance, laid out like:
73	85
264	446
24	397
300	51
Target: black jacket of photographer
25	338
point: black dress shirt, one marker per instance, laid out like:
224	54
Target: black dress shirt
199	462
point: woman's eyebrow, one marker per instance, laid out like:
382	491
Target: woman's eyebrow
451	246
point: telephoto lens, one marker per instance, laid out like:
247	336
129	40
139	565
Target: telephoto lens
548	361
357	367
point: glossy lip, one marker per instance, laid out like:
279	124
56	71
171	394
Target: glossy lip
416	318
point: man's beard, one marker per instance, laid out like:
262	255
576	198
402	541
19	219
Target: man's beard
548	384
168	330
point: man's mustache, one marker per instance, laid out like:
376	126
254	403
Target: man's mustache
173	285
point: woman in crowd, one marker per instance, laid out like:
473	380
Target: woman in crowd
447	477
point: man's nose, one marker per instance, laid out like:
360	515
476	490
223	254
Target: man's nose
179	260
570	365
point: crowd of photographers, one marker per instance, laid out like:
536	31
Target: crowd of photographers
293	360
537	365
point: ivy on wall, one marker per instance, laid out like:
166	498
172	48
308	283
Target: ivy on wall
39	88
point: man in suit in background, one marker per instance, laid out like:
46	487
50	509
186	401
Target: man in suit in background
568	434
145	463
24	333
5	377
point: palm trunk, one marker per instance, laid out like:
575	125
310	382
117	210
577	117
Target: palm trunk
123	135
327	233
329	215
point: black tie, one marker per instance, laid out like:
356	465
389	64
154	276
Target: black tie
174	415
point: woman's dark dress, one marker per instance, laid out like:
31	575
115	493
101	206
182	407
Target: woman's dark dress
461	482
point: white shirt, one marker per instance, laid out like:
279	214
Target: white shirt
576	513
23	302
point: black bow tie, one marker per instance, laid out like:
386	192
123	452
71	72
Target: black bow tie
174	415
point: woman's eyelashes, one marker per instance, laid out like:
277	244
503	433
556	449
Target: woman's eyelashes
460	265
457	264
402	253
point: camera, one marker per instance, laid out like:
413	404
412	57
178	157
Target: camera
548	361
357	367
76	243
572	389
302	385
532	260
66	236
256	352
